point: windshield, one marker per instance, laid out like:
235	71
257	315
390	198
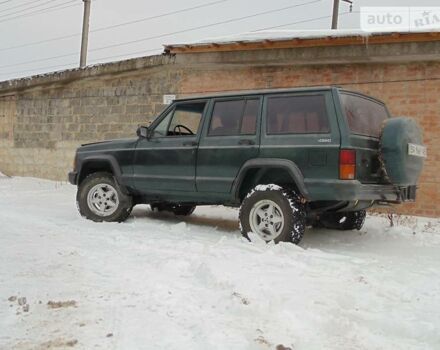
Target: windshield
364	116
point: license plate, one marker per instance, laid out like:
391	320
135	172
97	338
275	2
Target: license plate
417	150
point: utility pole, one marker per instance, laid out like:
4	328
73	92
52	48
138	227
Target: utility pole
336	12
85	34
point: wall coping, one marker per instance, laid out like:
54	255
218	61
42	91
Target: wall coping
68	75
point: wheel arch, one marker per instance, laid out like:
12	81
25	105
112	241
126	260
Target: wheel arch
101	163
268	170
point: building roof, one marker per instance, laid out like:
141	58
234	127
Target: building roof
306	38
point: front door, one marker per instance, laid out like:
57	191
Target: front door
229	139
167	160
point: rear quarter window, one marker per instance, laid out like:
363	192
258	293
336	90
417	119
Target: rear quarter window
305	114
364	116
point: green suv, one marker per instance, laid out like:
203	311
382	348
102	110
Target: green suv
288	158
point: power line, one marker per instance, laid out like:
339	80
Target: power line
205	26
50	9
39	60
159	16
96	60
166	34
115	25
157	49
17	6
25	9
41	41
303	21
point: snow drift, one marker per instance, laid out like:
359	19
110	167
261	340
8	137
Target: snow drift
157	282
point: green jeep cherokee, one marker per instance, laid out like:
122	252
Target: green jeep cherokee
289	158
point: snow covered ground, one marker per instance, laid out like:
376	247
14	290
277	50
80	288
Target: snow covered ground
160	282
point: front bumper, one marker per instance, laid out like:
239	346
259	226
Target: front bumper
73	175
353	190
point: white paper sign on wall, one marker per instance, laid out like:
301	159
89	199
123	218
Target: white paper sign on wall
167	99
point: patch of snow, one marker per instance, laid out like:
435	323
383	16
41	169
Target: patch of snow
269	187
159	281
287	34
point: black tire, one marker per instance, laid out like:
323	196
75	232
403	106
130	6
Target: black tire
176	209
345	221
288	202
123	208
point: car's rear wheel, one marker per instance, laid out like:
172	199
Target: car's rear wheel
99	198
352	220
273	213
176	209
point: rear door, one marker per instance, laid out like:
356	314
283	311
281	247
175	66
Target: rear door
302	127
229	138
364	118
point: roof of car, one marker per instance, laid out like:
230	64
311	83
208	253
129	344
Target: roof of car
271	91
255	92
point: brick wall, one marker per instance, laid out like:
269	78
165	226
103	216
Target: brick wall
42	122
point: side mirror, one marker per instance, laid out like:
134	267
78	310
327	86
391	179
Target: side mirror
142	131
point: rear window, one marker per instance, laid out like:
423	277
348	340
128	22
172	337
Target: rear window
364	116
304	114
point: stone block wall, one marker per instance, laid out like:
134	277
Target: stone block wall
41	127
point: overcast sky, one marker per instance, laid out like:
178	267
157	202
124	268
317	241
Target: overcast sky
27	22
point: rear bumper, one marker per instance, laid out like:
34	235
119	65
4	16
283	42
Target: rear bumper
72	176
353	190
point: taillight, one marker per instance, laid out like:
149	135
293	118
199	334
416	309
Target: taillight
347	164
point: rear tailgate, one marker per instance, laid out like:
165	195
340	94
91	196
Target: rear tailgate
367	159
364	117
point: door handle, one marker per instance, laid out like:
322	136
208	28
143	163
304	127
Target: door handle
246	142
190	143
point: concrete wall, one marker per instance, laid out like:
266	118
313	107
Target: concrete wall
43	120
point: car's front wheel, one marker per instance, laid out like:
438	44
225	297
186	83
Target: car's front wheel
273	213
99	198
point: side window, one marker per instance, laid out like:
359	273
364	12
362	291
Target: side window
183	120
297	115
186	119
234	117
